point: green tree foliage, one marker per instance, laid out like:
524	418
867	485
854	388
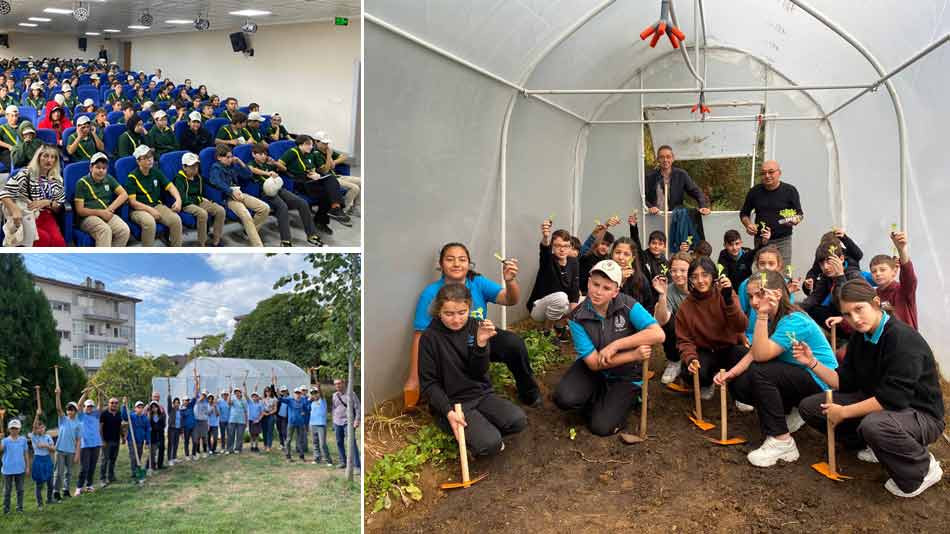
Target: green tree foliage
11	389
125	375
209	347
165	366
271	332
29	345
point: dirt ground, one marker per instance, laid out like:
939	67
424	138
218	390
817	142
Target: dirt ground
675	482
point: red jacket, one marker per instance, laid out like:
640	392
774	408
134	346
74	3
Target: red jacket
64	122
899	297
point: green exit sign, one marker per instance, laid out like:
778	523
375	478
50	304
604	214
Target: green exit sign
341	21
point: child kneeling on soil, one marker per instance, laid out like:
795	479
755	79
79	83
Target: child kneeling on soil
887	394
611	332
453	369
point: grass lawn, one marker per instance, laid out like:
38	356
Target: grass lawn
250	492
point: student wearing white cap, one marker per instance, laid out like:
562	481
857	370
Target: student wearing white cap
161	138
88	105
253	129
36	99
146	185
191	186
71	100
98	198
237	421
326	160
83	143
9	136
23	152
16	466
67	446
195	137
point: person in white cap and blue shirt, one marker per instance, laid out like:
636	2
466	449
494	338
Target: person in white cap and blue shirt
90	443
83	143
98	198
237	421
16	466
67	446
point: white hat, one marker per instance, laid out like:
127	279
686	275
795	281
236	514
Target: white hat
186	397
255	394
59	99
36	85
255	116
88	403
237	389
30	64
140	151
98	156
139	403
88	102
205	393
130	77
57	69
94	76
194	116
28	129
147	105
83	120
189	158
225	392
14	423
297	389
320	136
66	88
155	79
272	185
102	60
159	115
34	71
72	405
12	109
610	269
283	388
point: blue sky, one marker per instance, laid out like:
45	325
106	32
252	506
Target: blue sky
183	295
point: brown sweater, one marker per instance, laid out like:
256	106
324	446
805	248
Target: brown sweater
707	321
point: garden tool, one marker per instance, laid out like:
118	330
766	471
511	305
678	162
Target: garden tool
830	469
724	432
463	457
697	417
644	393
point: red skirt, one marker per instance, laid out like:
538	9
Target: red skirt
48	231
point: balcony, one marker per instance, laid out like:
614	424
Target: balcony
92	313
86	336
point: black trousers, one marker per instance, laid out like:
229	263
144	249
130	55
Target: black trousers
508	348
774	388
280	207
488	419
326	191
711	361
88	456
282	429
605	403
110	453
899	439
173	436
156	450
669	344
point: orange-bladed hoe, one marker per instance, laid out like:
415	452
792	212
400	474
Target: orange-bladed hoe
463	457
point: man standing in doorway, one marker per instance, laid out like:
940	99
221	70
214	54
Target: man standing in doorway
103	53
673	179
777	210
340	421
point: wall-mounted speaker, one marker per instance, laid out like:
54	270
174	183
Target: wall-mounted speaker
82	43
5	40
238	42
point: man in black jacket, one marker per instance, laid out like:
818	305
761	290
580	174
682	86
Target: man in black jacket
888	397
674	179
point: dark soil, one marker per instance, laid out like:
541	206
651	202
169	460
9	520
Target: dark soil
675	482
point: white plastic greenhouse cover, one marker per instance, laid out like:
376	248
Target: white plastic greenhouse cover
219	374
443	140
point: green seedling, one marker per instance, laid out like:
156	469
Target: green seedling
790	270
551	217
832	249
500	258
786	213
478	314
893	228
689	240
573	433
791	337
664	269
719	270
597	222
762	279
762	226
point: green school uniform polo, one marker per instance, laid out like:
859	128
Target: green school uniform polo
225	114
147	189
9	135
252	133
262	166
85	150
97	195
320	159
225	132
298	163
191	191
128	141
161	141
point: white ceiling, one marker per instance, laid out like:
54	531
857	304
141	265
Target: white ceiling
119	14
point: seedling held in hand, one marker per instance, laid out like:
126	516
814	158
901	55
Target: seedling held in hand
478	314
689	240
573	433
664	269
832	249
786	213
500	258
792	338
790	270
763	277
719	270
597	222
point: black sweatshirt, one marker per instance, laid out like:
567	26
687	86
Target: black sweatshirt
767	205
852	254
452	368
899	370
737	269
552	277
651	265
827	286
585	264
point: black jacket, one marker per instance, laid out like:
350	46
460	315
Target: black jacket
680	184
585	264
852	254
652	265
195	141
552	278
826	287
452	368
737	269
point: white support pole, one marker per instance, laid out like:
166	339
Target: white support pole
642	220
736	118
690	90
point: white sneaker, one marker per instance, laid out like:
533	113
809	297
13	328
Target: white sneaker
772	451
78	492
867	455
794	420
707	392
671	372
744	408
934	474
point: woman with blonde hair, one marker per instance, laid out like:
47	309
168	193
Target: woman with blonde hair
31	199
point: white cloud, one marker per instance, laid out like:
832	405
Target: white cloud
146	287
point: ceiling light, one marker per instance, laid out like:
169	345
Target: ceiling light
28	24
249	13
138	27
111	31
58	11
5	7
93	33
178	21
39	19
202	24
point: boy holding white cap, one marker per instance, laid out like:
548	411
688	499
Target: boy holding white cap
98	197
8	134
15	465
146	184
67	446
612	333
190	185
161	138
83	143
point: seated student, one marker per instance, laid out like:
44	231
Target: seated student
12	91
887	394
263	167
298	162
555	292
36	99
164	94
670	298
146	184
89	106
6	99
83	143
225	175
9	135
606	377
454	356
594	250
176	114
709	325
190	185
116	95
735	259
276	130
128	109
207	112
821	303
94	81
196	137
852	256
70	101
37	186
767	258
133	137
139	97
202	92
652	258
575	249
769	377
635	283
56	120
253	107
98	197
233	134
252	132
15	450
231	108
161	138
898	296
325	160
22	152
182	100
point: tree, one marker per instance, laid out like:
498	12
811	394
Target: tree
125	375
270	332
29	345
165	366
11	390
208	347
331	293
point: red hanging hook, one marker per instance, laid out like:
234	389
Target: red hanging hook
663	26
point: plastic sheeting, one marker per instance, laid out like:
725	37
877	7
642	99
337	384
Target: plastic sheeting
434	129
220	374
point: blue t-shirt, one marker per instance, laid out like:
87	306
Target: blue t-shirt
224	410
318	412
213	418
14	452
282	408
238	411
482	289
254	410
40	440
90	429
68	431
807	331
746	306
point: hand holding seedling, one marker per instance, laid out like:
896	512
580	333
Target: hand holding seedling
660	284
900	241
802	353
766	234
793	285
614	220
546	232
723	282
809	283
627	270
684	247
486	331
751	229
835	265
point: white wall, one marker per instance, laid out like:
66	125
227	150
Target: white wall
41	45
304	71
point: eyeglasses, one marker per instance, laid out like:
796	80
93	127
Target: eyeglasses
768	172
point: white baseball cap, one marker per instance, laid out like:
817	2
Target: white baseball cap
139	403
34	71
98	156
82	120
255	116
159	115
610	269
147	105
14	423
140	151
188	159
88	102
28	129
12	109
67	88
36	85
194	116
320	136
225	392
283	388
94	76
88	403
59	99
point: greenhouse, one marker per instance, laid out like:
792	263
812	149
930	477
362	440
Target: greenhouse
219	374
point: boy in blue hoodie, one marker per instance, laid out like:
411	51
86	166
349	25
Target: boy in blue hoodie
318	426
297	422
140	429
227	173
188	423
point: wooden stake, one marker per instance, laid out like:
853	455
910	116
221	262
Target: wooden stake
832	464
56	371
666	215
723	434
463	453
699	402
644	393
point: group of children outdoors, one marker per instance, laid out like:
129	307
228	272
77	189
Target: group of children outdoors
746	314
252	191
205	426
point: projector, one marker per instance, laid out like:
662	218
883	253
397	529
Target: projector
249	27
81	13
202	24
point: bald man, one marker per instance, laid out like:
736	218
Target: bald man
773	202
